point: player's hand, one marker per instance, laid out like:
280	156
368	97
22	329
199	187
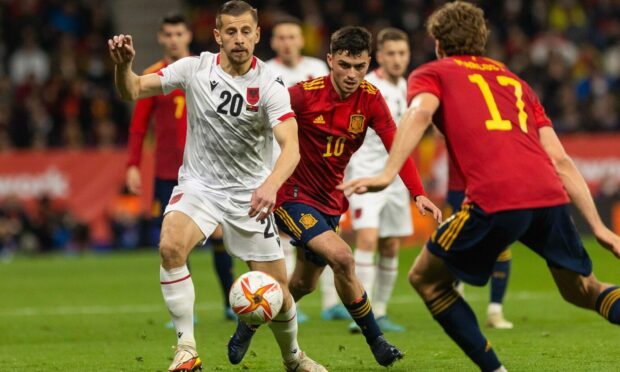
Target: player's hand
121	49
364	185
133	180
263	201
609	240
424	204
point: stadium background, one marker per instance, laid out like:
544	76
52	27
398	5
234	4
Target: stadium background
63	133
63	130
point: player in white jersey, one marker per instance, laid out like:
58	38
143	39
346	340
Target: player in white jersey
287	41
382	218
235	104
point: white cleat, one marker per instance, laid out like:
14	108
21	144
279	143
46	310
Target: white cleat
496	320
185	359
304	364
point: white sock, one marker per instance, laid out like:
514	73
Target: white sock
329	295
284	328
494	308
290	257
366	270
178	290
501	369
386	277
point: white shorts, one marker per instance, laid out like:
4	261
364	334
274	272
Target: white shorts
244	237
387	211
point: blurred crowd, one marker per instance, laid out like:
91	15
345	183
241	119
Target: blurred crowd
56	87
55	76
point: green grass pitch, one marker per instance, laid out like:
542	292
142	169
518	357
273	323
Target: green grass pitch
105	313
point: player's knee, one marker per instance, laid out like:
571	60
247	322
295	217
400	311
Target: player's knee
417	280
170	252
342	262
300	287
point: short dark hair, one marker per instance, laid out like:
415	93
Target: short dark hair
460	28
352	40
172	19
234	8
391	34
286	20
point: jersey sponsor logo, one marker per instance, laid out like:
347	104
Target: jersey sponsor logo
356	123
175	198
318	120
308	220
214	84
252	96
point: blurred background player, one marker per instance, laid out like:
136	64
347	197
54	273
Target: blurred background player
501	269
381	219
287	41
170	117
519	182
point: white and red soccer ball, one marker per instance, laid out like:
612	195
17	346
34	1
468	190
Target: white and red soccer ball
256	297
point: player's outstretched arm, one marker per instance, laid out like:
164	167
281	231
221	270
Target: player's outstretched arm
410	131
264	198
577	189
129	85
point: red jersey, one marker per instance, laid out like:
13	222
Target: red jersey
455	178
331	129
490	119
170	117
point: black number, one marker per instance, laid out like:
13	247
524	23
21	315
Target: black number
226	97
235	106
268	234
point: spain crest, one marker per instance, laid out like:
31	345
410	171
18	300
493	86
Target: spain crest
356	124
308	220
252	96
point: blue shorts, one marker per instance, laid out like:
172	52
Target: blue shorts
455	199
470	241
161	196
302	223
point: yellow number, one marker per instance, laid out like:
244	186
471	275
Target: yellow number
338	146
180	102
496	122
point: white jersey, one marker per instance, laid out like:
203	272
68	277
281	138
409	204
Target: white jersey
308	68
370	158
229	124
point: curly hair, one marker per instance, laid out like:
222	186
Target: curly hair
460	28
352	40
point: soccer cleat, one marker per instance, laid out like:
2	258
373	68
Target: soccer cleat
240	342
354	328
496	320
229	314
336	312
386	325
302	317
185	359
385	353
304	364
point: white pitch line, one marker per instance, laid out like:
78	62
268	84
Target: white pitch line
214	306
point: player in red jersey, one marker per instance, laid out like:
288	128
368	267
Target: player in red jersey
333	113
170	117
518	181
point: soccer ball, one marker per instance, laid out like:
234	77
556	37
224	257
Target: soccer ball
256	297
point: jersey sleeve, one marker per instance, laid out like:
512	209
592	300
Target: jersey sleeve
178	74
137	129
278	104
423	80
383	124
540	117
